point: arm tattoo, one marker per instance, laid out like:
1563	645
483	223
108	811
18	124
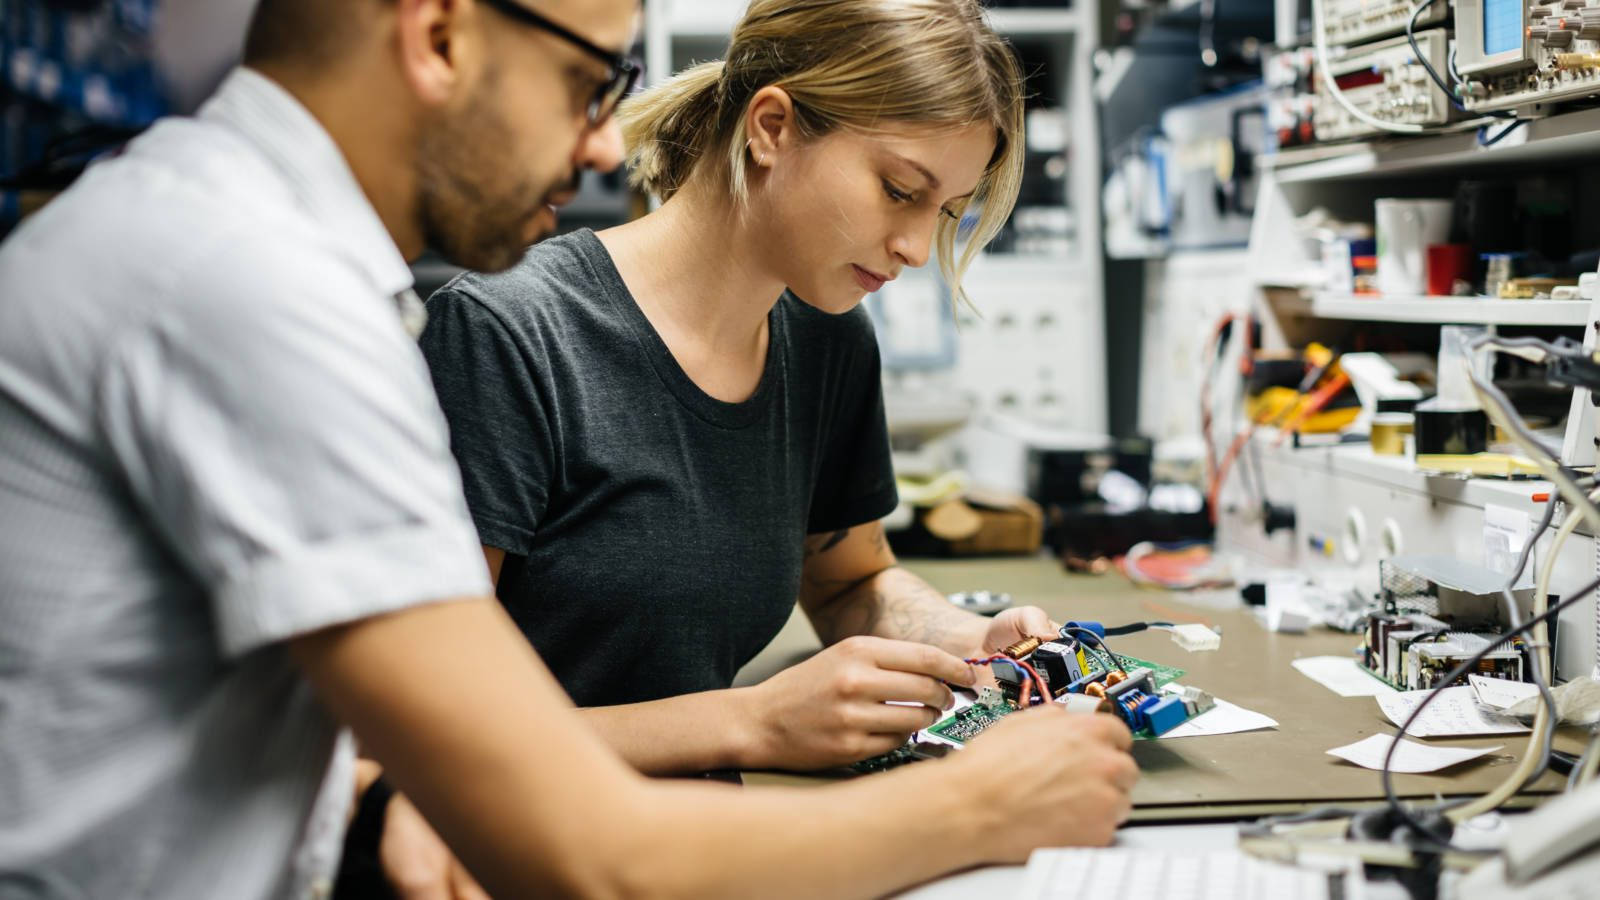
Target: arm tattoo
833	540
895	604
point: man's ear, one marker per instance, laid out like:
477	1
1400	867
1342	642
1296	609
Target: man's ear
435	39
770	124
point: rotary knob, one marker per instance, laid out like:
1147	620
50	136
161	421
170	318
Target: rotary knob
1589	24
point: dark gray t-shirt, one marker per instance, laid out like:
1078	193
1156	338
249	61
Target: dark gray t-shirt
653	533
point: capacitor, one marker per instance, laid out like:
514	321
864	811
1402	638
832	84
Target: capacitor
1058	663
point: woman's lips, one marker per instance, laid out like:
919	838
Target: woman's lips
869	281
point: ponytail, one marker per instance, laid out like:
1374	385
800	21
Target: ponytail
669	127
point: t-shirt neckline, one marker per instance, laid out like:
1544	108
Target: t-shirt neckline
715	411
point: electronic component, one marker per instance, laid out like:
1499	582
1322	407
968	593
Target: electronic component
1439	613
1358	21
1022	648
1525	55
1061	663
1385	81
1427	662
1133	695
1194	638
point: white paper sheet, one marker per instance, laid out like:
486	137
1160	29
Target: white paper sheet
1499	693
1454	713
1412	758
1342	675
1224	718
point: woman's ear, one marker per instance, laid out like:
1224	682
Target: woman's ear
769	122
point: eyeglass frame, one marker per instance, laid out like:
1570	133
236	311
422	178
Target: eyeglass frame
623	70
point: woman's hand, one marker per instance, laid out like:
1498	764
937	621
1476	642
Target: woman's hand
858	698
1015	624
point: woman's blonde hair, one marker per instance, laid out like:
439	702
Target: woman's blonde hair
847	64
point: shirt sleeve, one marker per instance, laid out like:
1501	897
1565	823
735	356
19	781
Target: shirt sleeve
499	430
276	424
855	483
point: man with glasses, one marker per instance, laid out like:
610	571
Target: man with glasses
229	521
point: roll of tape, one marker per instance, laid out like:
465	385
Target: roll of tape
1451	431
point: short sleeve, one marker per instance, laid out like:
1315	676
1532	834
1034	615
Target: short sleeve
855	482
277	426
499	431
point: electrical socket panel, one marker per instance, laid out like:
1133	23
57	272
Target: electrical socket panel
1035	347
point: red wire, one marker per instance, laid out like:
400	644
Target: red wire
1036	680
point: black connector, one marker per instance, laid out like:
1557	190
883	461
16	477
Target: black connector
1276	518
1573	371
1570	365
1382	825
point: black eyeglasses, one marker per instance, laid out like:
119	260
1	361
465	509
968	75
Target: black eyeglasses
623	71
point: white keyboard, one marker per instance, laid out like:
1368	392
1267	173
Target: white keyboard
1074	874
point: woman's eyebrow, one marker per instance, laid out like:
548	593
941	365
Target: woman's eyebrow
933	180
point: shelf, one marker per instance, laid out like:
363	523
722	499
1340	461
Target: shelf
1572	137
714	20
1450	310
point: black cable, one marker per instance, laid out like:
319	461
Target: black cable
1490	142
1135	628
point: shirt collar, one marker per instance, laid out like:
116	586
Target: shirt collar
284	131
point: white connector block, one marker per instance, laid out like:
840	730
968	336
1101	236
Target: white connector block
1194	638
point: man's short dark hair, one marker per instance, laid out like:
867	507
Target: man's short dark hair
301	31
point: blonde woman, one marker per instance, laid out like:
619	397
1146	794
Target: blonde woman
670	430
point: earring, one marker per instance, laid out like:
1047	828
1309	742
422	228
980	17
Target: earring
761	158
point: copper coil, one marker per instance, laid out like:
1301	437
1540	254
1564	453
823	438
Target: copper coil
1095	689
1114	677
1023	647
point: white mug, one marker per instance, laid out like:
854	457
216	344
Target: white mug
1405	229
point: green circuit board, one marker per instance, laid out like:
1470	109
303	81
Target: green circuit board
967	723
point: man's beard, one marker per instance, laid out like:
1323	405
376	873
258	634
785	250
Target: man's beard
467	217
